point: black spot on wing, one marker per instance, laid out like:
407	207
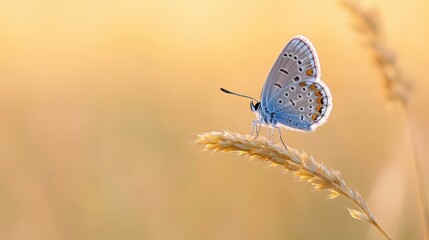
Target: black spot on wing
284	71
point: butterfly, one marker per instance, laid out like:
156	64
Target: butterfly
293	96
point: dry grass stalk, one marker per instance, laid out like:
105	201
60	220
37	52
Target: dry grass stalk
303	167
368	25
398	87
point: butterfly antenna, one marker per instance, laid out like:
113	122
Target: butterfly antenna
237	94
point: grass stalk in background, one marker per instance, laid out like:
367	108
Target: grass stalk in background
303	167
397	87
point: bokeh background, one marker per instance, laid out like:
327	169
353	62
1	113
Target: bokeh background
101	100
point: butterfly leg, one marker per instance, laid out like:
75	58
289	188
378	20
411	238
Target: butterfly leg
280	135
258	129
270	133
255	128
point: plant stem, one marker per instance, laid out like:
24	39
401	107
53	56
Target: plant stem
382	231
424	211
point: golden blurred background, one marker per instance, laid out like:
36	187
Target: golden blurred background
101	100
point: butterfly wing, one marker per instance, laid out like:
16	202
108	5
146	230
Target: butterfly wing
304	105
293	90
298	61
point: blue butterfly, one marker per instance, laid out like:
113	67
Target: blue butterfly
293	96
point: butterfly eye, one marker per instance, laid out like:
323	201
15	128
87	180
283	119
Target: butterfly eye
254	107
